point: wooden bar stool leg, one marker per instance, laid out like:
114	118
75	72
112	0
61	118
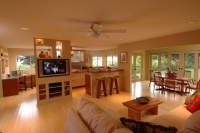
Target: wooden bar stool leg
104	88
98	88
116	86
111	86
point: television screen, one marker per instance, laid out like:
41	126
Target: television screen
53	67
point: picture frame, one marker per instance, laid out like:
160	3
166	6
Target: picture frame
124	57
86	59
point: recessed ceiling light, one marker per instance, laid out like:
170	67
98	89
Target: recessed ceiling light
192	21
24	28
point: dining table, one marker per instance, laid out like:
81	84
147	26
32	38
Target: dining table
182	81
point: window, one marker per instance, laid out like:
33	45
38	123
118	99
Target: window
96	61
112	60
25	62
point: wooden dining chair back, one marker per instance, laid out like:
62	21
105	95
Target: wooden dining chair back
187	74
192	86
25	82
158	74
159	82
172	84
151	77
198	85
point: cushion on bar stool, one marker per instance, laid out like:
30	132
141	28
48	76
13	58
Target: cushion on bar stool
101	80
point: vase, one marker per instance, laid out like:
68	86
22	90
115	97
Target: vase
42	54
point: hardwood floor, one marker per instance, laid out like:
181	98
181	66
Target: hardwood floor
20	114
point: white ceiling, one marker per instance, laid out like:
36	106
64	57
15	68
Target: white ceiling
69	19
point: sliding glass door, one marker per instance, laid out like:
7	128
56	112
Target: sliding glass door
154	62
136	67
179	63
163	63
159	62
174	63
189	59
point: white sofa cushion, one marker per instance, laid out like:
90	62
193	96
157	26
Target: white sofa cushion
96	119
74	123
192	124
122	130
175	117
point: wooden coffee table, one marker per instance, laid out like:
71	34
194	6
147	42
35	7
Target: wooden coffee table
135	108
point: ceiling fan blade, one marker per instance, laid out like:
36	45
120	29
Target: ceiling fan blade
78	31
113	31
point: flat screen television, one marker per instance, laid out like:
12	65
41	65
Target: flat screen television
53	67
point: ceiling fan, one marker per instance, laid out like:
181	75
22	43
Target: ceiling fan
96	30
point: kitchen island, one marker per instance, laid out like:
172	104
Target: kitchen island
92	75
78	78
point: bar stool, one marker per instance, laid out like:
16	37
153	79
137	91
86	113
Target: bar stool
103	82
114	79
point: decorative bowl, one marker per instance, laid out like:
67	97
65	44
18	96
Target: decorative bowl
143	100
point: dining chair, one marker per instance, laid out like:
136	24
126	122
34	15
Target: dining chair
193	85
157	73
187	74
159	82
151	77
25	82
172	84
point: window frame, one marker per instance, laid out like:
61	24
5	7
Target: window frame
97	61
112	56
31	63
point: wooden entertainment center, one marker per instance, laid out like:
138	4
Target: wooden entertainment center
55	85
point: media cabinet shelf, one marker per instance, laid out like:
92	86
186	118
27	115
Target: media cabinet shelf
67	87
55	89
42	91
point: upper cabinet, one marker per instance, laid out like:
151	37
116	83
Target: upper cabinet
46	48
49	48
4	62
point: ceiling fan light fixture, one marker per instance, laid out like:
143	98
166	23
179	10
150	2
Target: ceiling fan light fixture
96	35
192	21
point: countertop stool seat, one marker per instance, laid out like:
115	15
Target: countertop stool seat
103	82
114	80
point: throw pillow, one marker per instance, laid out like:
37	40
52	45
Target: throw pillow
189	98
194	105
146	127
191	125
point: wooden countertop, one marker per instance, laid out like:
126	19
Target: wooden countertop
10	78
13	77
106	70
79	71
97	71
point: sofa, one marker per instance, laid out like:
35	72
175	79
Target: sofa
89	117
